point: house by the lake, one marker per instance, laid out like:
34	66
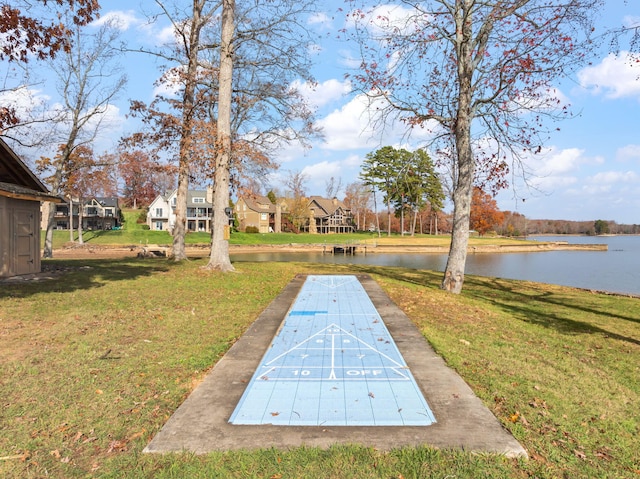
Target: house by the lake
98	213
258	212
161	215
20	195
329	216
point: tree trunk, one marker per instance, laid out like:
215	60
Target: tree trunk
388	216
219	258
51	218
70	218
178	252
80	216
375	208
465	162
415	221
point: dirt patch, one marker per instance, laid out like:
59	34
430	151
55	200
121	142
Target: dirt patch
96	252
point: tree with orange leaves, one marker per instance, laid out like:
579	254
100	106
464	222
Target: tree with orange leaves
485	215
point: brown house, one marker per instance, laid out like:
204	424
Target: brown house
329	216
20	195
259	212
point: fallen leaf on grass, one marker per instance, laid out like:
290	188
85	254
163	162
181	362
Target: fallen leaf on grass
136	435
538	457
602	454
22	457
579	454
117	446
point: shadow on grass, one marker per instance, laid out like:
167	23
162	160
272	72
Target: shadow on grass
62	276
523	306
519	304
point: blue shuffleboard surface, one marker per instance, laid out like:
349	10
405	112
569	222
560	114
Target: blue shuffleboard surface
334	363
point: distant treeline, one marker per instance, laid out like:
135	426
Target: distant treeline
515	224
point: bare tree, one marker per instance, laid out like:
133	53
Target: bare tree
264	48
297	208
219	257
88	79
31	31
333	187
265	109
479	75
358	197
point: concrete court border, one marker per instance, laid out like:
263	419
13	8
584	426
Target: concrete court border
200	425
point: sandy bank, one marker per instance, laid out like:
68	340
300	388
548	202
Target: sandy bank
89	251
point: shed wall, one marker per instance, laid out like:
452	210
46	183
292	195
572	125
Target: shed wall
19	237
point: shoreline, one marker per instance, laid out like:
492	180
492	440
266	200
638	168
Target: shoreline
89	251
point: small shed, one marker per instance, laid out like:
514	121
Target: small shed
20	195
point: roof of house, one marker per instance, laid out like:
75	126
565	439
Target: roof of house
191	194
108	201
327	206
259	203
18	181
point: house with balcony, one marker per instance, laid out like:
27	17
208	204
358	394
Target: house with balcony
161	215
98	213
329	216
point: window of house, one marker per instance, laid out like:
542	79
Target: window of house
158	213
159	225
263	216
198	200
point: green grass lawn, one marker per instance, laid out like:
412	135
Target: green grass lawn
94	363
133	234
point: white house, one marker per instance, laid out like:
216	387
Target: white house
161	215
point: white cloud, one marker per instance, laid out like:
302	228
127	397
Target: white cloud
321	19
355	126
166	35
614	177
119	19
171	83
323	93
24	100
347	60
554	169
628	153
383	18
617	76
319	173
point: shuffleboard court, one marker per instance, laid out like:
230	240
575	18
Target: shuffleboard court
334	363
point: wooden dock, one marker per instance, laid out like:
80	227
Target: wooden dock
344	249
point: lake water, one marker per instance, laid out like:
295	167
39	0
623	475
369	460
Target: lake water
615	270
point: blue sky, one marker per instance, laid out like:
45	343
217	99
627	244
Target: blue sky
590	169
